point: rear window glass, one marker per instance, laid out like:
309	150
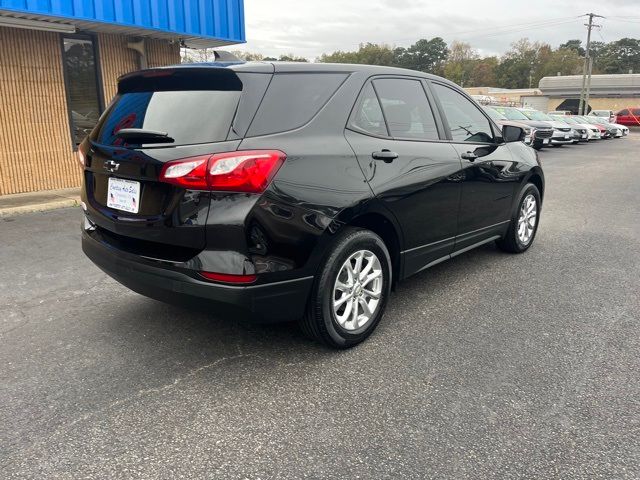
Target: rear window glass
189	117
292	100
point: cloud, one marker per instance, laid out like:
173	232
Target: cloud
312	27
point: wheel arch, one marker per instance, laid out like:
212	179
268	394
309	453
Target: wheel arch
537	178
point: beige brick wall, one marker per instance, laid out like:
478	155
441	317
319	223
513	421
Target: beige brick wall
35	140
117	59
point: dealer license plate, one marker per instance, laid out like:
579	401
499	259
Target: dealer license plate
123	195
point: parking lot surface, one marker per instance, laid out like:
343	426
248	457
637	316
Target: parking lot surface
487	366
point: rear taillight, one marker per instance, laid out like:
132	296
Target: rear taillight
242	171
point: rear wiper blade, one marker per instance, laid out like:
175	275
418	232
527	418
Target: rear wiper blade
145	136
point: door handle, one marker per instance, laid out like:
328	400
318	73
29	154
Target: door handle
385	155
469	156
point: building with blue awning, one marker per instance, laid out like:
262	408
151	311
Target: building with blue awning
59	64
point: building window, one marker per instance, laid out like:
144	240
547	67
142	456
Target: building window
82	84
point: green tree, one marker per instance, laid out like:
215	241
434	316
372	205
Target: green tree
248	56
619	56
521	66
292	58
367	53
424	55
483	73
575	45
460	63
564	60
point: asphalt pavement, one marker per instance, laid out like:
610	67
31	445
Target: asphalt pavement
489	365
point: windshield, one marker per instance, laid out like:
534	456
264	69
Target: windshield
536	115
495	115
591	120
558	118
510	113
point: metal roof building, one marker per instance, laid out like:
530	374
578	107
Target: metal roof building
59	65
623	85
198	23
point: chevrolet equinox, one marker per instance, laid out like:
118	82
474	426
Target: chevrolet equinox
282	191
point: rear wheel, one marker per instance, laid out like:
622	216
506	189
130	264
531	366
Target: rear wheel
350	292
524	222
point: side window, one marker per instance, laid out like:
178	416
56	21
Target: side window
636	111
623	112
406	108
292	100
465	120
367	115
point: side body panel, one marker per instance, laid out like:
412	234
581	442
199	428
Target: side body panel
422	190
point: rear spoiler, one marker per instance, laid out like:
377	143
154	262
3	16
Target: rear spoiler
180	78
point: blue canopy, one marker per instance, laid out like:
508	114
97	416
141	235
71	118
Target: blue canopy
199	23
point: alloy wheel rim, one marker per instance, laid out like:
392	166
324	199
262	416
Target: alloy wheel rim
527	219
357	290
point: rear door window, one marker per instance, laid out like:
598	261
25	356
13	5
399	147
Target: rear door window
406	109
292	100
367	115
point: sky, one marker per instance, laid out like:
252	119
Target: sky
309	28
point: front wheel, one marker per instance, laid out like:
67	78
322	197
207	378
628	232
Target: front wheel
524	222
350	292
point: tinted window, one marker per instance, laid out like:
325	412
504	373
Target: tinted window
636	111
83	98
623	112
189	117
367	115
406	109
292	100
465	120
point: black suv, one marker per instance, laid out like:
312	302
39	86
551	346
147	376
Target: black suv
298	191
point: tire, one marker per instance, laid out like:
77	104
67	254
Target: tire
513	241
328	325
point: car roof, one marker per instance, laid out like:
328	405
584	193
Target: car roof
299	67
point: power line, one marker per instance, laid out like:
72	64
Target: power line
498	29
515	30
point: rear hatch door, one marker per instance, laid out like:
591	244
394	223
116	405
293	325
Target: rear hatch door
202	111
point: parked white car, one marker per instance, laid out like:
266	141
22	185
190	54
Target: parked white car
608	115
593	132
624	130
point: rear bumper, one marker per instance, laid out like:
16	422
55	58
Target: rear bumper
271	302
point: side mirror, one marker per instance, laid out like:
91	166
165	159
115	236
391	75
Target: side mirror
511	133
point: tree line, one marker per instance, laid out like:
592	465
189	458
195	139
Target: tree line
522	66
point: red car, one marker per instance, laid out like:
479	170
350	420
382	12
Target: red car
629	116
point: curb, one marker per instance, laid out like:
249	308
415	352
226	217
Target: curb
39	207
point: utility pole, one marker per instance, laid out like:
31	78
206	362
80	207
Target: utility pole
586	69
